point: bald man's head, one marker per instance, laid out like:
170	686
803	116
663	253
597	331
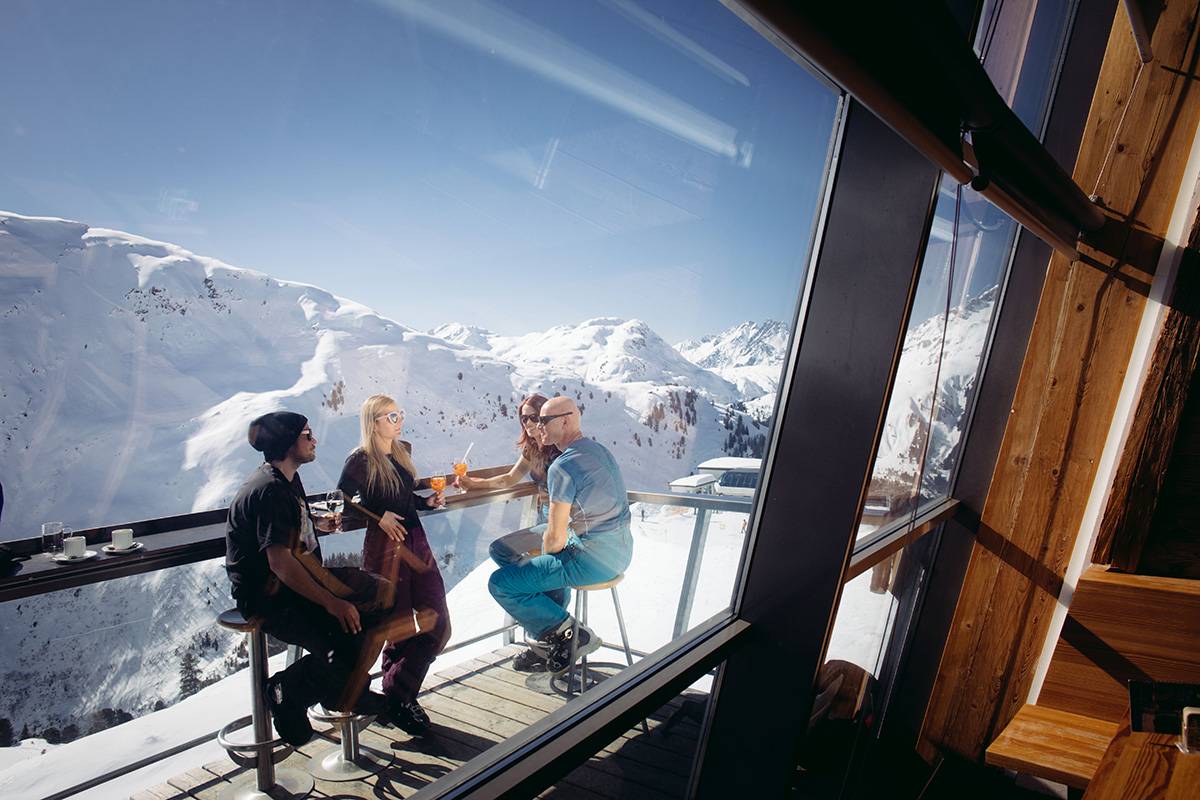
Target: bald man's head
560	424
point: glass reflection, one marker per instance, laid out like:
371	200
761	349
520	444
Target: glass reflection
860	671
948	332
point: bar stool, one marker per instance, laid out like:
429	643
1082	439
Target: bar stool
348	761
264	752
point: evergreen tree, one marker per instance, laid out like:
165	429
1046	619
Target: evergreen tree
189	674
25	731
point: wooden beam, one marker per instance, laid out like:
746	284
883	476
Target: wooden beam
1134	151
1142	469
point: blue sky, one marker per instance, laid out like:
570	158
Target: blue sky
510	165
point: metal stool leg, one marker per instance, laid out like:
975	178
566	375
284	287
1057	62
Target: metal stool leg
583	684
349	761
625	641
266	777
265	768
574	640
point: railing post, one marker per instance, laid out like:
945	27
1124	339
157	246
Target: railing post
692	574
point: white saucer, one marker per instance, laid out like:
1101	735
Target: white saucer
112	551
65	559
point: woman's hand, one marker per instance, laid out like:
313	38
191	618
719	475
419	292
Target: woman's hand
389	523
436	500
467	483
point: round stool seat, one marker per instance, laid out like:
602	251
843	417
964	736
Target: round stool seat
598	587
234	621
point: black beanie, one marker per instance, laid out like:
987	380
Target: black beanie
274	434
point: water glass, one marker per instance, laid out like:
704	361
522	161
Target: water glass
333	501
52	537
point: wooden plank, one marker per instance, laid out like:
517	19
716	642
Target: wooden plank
1052	744
456	733
1084	329
1144	765
682	740
161	792
1151	441
200	783
509	713
632	744
1122	627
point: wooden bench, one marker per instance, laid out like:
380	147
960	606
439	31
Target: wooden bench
1119	627
1053	744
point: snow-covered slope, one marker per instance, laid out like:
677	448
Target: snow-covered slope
466	335
129	370
609	350
748	355
128	373
904	433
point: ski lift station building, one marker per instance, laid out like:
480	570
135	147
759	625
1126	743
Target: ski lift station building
703	483
735	476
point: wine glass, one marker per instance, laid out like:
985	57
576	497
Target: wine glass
460	469
437	483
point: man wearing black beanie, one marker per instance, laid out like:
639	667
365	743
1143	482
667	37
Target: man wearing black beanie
270	529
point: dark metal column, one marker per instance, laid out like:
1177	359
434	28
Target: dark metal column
845	353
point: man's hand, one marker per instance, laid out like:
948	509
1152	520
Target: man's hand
346	614
555	537
389	523
328	524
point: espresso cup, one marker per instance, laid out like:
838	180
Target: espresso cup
74	547
122	538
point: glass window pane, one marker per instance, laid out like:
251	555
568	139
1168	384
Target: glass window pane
948	333
455	204
855	682
962	272
1020	46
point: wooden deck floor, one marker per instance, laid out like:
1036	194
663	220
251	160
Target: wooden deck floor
474	705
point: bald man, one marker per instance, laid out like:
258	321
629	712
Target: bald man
587	540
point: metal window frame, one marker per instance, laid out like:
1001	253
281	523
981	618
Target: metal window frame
845	353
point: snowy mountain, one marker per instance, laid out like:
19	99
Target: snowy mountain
130	369
907	422
610	350
749	355
466	335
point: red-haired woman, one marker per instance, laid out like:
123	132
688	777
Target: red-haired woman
534	460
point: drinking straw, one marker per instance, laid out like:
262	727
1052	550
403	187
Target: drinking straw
463	460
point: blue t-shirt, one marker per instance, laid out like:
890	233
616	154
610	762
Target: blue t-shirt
587	476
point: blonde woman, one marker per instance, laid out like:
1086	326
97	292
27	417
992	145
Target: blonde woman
380	471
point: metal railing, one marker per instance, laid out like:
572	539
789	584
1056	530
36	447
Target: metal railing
191	538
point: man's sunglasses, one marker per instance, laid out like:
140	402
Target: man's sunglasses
392	416
546	420
307	434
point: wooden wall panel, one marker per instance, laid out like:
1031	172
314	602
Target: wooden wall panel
1123	627
1082	336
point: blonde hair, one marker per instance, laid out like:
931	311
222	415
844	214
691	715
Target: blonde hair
380	473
